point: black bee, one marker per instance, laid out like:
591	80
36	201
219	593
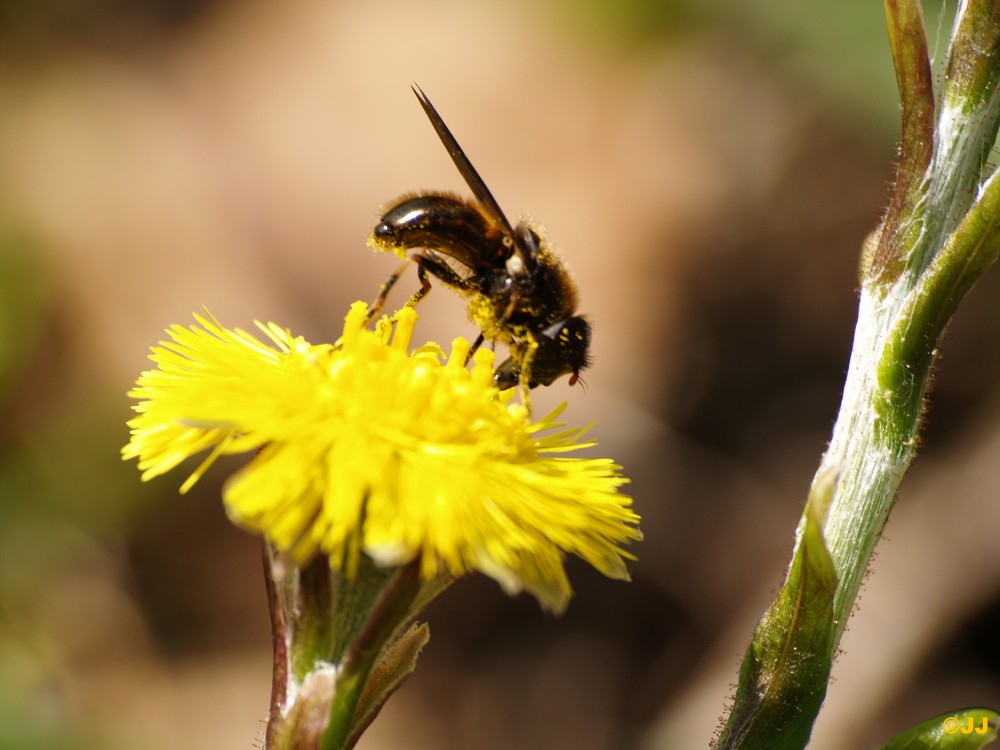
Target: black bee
519	292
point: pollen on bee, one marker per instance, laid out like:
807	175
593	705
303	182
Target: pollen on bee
483	313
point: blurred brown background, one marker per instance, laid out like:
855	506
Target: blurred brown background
709	174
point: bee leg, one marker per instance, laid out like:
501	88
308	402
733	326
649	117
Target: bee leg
475	347
426	264
524	375
431	263
383	292
511	307
425	285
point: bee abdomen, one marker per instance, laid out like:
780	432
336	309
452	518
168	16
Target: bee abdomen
440	222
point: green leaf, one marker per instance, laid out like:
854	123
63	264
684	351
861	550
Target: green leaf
908	44
392	669
967	123
784	674
904	369
353	597
972	68
966	729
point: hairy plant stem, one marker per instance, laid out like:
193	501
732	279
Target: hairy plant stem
940	232
942	239
868	460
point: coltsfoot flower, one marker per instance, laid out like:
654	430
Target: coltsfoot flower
364	447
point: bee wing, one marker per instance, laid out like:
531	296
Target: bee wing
469	173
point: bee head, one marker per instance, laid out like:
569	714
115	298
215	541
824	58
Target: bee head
563	349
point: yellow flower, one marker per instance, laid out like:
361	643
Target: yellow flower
362	446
